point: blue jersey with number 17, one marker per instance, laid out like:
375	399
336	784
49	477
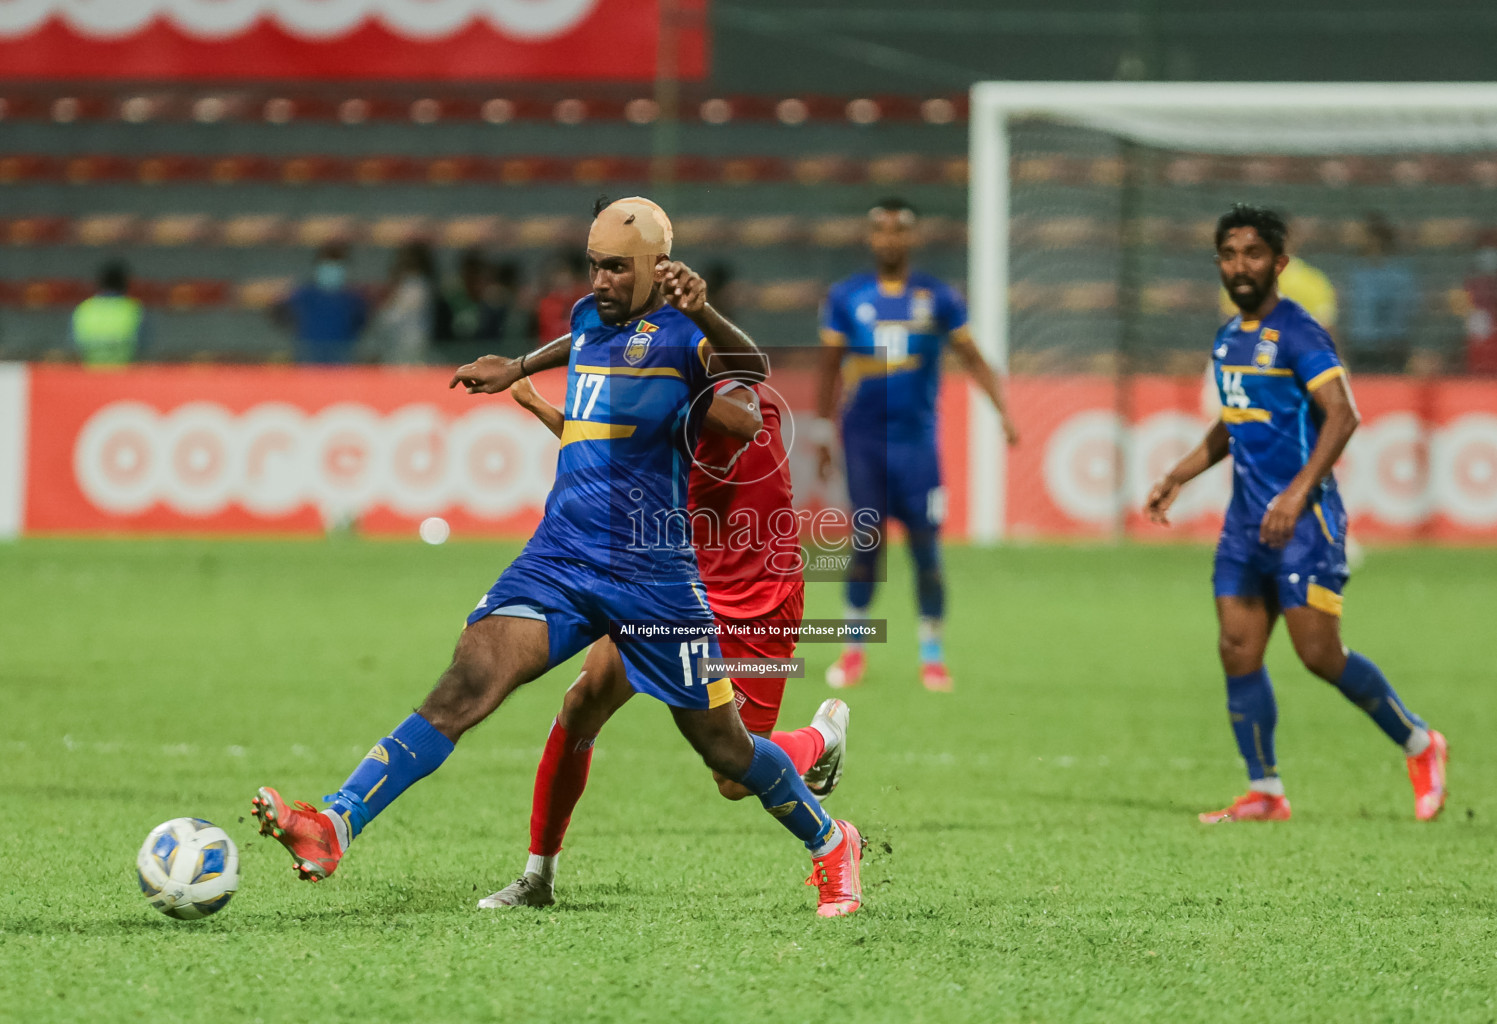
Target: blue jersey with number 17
637	394
1266	372
892	370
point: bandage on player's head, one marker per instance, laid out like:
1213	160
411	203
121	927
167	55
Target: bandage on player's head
634	229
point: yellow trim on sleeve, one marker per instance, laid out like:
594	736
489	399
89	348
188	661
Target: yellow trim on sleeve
1318	381
836	339
631	371
1260	371
1323	600
1231	415
701	353
582	430
1324	526
719	692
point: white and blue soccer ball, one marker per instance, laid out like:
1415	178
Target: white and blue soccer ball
188	868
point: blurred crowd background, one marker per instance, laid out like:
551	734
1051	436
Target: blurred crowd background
410	223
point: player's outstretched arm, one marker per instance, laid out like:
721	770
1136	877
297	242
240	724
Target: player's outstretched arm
528	398
1340	421
735	413
1212	449
489	375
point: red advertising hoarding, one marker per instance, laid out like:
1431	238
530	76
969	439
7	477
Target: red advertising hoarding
474	40
265	449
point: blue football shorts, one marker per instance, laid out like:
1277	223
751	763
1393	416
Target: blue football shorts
578	602
901	479
1309	571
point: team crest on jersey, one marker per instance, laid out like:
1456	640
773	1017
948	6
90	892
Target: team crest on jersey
1265	350
635	350
866	313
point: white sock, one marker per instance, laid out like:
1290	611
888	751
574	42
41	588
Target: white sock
833	838
1417	743
543	866
929	629
1273	786
340	829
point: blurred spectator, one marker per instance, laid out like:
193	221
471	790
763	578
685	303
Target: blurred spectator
1308	286
1382	299
408	315
1481	309
475	308
109	326
518	335
325	314
566	282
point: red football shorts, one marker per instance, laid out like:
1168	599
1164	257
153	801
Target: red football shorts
757	699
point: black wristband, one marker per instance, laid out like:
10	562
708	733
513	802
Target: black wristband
523	371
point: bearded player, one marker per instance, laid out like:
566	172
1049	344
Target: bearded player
883	332
748	550
1287	413
633	414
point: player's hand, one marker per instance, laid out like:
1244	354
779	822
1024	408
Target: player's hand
1278	522
683	288
1160	499
824	463
487	375
1010	430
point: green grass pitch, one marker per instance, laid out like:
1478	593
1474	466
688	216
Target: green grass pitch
1034	851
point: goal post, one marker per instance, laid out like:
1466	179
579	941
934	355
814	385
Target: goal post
1151	132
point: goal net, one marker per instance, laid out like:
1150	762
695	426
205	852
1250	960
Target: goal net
1091	278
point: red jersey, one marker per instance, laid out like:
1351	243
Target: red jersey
748	548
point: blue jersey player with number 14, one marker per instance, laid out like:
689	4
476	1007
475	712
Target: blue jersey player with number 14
884	334
1287	413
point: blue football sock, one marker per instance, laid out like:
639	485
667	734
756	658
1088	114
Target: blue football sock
860	574
1254	714
1364	684
930	587
409	754
772	778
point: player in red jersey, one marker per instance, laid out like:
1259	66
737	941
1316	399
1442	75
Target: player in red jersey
747	541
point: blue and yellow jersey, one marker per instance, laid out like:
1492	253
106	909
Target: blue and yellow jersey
1265	374
632	420
893	337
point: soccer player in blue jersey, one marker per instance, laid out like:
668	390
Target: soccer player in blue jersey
1287	413
883	334
613	549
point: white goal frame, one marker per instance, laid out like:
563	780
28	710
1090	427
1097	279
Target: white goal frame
1282	117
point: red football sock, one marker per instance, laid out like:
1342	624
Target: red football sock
803	746
559	782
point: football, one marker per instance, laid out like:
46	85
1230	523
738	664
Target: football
188	868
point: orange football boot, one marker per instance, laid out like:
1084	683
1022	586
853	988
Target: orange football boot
848	669
839	884
301	829
935	678
1427	773
1251	806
